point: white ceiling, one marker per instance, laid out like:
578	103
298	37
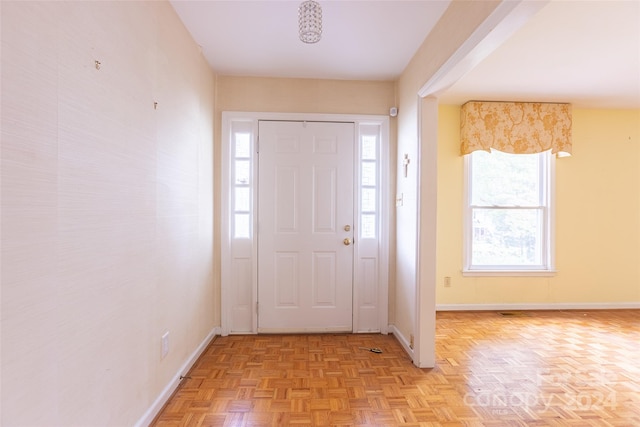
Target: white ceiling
583	52
361	40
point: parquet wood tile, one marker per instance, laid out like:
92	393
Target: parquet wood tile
545	368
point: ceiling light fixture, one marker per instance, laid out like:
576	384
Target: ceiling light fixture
310	21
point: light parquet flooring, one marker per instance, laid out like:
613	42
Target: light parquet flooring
546	368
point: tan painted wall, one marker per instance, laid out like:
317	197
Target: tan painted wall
257	94
597	218
304	95
459	21
106	209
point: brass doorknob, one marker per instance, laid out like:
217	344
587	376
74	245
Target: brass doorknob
347	241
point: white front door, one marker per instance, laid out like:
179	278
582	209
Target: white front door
305	226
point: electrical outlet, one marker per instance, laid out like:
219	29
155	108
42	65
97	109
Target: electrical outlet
164	345
411	341
447	282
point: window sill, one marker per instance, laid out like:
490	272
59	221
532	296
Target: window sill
509	273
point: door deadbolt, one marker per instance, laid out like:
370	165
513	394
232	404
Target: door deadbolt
347	228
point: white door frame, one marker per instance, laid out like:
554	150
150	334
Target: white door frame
239	254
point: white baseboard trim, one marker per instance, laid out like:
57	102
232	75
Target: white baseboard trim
402	339
166	394
541	306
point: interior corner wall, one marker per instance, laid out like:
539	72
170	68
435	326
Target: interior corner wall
106	209
597	219
456	25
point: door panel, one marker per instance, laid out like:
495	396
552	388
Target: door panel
285	200
305	266
325	189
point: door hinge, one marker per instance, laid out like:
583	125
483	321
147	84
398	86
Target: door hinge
258	144
257	307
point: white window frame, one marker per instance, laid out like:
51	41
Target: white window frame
547	266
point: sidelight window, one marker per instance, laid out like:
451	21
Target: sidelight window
369	185
241	184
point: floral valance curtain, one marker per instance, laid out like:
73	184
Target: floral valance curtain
515	127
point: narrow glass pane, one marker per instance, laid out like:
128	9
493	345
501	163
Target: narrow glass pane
369	173
368	226
242	170
507	237
241	226
502	179
242	199
243	145
368	200
369	147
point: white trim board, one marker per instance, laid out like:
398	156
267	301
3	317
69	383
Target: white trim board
402	340
541	306
166	394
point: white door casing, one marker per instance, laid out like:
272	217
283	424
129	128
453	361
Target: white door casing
305	223
372	217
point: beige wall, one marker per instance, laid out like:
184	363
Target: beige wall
256	94
106	209
597	218
304	95
107	233
459	22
